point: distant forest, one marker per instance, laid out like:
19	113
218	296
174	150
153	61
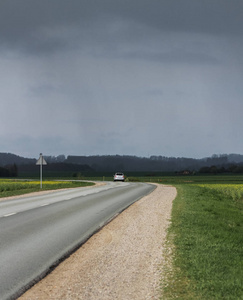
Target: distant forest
13	165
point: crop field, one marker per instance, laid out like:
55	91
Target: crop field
12	187
234	191
206	238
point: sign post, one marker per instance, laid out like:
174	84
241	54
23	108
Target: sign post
41	161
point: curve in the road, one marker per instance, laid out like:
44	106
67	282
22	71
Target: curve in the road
36	235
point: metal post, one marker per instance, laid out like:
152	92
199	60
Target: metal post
41	170
41	175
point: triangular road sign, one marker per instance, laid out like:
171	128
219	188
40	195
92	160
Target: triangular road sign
41	161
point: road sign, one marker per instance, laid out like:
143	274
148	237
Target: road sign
41	161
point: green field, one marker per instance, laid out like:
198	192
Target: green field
13	187
206	238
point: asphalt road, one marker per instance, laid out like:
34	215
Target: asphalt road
36	233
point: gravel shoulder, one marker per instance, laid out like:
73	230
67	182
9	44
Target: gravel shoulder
122	261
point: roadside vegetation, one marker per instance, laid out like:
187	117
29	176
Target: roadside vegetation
205	240
13	187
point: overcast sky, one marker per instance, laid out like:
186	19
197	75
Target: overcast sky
144	77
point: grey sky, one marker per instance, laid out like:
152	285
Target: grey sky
153	77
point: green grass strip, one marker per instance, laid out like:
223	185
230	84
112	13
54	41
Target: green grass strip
206	236
18	187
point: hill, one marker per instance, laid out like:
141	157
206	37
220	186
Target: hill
10	159
113	163
125	163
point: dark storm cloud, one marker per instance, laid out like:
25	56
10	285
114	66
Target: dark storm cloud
173	57
39	25
121	76
46	25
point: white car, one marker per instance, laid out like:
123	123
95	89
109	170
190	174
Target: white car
119	177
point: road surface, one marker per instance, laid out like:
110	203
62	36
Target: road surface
36	233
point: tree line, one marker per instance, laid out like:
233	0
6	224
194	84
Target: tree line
113	163
9	171
232	168
12	164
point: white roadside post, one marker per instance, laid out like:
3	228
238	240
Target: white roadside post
41	161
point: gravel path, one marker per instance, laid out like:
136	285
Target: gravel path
121	261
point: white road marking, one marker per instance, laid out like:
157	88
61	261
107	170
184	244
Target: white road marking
45	204
11	214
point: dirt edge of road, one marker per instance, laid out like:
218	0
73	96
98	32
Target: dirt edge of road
122	261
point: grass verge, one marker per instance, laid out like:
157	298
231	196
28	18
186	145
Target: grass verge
206	241
10	187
